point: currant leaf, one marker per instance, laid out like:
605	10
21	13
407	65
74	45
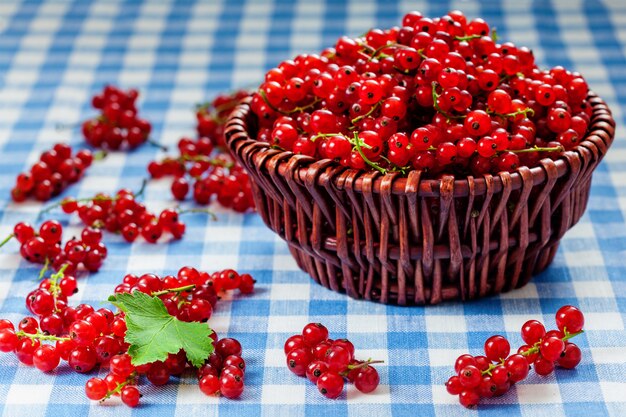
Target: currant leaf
153	333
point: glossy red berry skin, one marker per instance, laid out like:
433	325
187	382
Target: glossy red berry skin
298	361
46	358
210	384
330	384
570	318
231	386
532	331
470	376
96	389
497	348
571	356
367	379
130	396
551	348
314	333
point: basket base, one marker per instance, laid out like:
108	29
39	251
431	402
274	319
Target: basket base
330	276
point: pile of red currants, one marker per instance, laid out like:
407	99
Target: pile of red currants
438	95
326	362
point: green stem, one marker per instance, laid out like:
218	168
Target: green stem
357	144
100	155
324	135
6	239
46	265
438	108
199	210
119	387
156	144
170	290
538	149
290	112
51	207
40	336
364	364
534	349
467	38
204	158
363	116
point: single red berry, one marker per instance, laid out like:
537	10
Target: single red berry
330	384
570	319
497	348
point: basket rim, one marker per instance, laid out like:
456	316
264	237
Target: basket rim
601	128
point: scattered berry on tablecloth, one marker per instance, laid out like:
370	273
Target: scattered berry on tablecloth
118	125
494	373
56	169
438	95
45	247
328	363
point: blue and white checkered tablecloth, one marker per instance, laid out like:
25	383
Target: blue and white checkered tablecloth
55	54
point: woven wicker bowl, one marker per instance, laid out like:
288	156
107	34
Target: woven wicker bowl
408	240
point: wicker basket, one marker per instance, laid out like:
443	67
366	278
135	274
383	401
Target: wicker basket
408	240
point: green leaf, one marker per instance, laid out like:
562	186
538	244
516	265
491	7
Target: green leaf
153	333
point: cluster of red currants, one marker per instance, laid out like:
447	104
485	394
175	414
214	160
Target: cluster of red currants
55	170
45	247
212	173
85	337
118	125
191	295
211	116
327	362
205	165
122	213
81	335
493	374
223	373
437	95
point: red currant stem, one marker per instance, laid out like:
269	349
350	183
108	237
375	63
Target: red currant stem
323	135
364	364
157	145
40	336
119	387
421	53
170	290
357	144
199	210
100	155
204	158
516	113
44	269
6	239
438	108
494	34
305	107
54	278
377	52
534	349
467	38
363	44
66	126
538	149
142	189
292	111
363	116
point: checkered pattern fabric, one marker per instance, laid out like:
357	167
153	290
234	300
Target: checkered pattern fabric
55	54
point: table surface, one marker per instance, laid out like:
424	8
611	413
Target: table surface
55	55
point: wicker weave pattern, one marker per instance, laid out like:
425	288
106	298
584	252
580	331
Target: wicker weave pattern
407	240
